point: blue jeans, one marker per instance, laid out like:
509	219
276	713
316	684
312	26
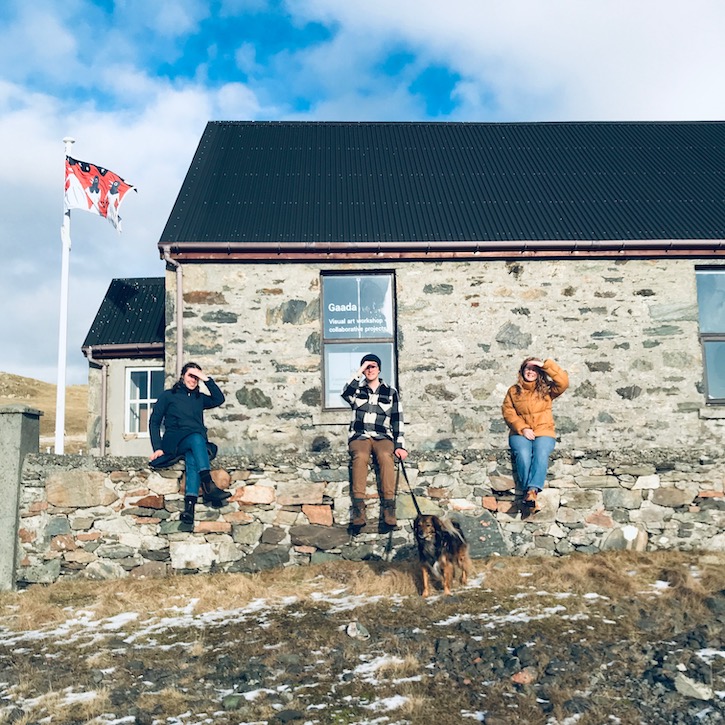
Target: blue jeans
531	460
196	456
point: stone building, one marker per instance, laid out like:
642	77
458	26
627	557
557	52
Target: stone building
453	250
125	351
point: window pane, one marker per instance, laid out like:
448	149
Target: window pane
139	385
357	306
143	418
157	383
343	360
715	370
133	418
711	300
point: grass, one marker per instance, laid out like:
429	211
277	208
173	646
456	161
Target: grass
587	628
19	390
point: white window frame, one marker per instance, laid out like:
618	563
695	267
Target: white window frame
341	351
149	401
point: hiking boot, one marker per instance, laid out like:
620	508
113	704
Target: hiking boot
359	518
211	493
187	515
531	501
389	513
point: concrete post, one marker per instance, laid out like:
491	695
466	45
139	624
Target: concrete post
19	435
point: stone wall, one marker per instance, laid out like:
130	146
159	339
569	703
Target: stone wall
626	330
108	518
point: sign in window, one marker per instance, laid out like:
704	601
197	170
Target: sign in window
358	317
711	307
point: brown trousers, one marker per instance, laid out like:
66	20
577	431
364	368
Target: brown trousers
360	450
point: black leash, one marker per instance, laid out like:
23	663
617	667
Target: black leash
410	488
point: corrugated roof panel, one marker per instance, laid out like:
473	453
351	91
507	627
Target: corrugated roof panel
132	312
438	182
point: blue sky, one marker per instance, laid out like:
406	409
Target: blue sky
135	82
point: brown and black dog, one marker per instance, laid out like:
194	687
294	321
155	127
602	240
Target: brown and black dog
442	550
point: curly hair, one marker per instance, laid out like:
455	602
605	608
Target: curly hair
543	384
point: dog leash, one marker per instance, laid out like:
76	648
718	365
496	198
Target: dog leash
401	467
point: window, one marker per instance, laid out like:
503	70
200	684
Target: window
143	387
711	304
358	317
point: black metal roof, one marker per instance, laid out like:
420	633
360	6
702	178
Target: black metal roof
284	182
132	314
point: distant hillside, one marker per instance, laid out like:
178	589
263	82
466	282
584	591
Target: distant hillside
17	390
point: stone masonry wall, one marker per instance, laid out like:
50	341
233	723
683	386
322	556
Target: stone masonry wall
108	518
626	330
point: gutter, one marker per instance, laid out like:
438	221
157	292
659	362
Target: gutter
508	249
106	352
104	395
178	308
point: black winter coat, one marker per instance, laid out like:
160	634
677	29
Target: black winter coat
181	411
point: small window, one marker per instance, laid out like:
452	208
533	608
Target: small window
143	387
711	306
358	317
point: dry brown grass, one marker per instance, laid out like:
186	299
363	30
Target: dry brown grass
54	707
616	575
169	700
444	658
18	390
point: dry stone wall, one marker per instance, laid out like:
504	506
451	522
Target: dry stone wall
107	518
626	330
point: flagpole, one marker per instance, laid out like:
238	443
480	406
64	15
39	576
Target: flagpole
63	322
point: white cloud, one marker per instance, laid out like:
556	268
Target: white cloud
151	147
168	18
651	59
72	68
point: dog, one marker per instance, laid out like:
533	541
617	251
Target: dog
442	551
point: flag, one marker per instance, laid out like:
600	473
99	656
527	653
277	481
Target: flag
94	189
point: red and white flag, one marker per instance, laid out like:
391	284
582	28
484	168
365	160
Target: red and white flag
94	189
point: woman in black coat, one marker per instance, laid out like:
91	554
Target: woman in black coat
181	412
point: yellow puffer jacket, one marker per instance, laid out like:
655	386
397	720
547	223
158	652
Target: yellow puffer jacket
528	410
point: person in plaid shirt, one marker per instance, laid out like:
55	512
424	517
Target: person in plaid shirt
377	428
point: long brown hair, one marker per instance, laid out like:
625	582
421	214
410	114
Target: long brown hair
543	384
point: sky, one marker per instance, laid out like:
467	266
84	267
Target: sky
134	82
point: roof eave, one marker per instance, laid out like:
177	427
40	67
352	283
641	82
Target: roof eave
412	251
124	350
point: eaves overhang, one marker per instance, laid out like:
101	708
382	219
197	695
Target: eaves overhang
416	251
125	350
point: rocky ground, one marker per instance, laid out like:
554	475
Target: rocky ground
525	642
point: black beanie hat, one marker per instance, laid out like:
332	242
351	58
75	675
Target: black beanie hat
371	358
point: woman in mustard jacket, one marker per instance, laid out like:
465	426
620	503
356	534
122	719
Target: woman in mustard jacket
527	411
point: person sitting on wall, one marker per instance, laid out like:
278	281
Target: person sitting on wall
180	410
376	427
527	409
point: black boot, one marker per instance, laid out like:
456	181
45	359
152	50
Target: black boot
210	492
187	516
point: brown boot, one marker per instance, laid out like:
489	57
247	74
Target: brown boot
389	513
531	501
359	518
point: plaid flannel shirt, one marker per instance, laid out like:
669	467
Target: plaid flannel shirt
376	414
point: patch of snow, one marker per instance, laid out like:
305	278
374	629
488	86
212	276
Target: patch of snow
388	703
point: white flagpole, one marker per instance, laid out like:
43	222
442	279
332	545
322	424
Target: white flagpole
63	323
